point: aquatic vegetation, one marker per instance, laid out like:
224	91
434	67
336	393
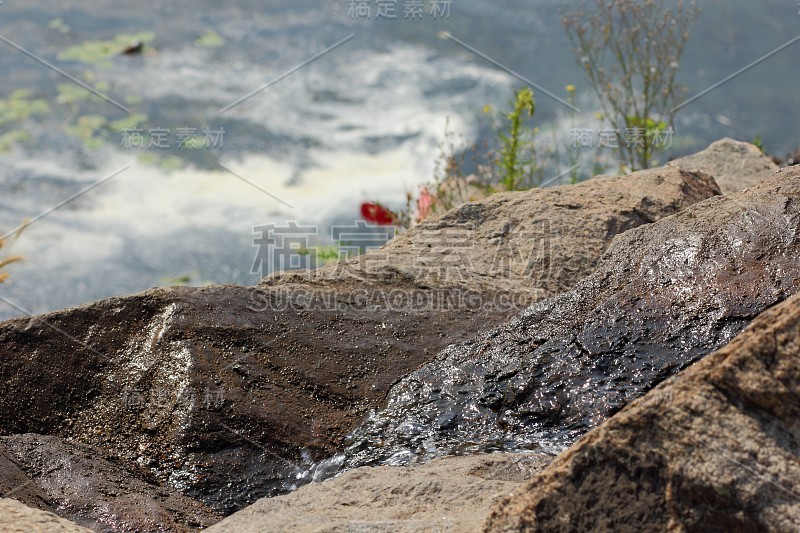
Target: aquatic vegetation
210	39
87	128
14	110
92	128
10	138
71	94
19	106
133	99
134	120
99	53
59	25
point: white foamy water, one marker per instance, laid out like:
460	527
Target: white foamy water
363	122
373	135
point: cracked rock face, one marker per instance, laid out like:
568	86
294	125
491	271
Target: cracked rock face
716	448
662	297
226	394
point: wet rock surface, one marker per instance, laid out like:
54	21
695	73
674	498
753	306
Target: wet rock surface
735	165
226	394
448	494
716	448
662	297
117	496
212	396
15	483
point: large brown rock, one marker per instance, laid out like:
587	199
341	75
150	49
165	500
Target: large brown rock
735	165
448	494
230	393
16	517
663	296
531	244
717	448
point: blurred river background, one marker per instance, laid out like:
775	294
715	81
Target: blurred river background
362	122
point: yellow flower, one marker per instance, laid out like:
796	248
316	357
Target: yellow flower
487	108
570	88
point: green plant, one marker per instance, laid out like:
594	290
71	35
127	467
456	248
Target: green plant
515	164
510	164
758	142
630	51
190	278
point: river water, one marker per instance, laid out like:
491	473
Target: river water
362	121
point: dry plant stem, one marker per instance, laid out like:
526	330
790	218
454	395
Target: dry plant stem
630	51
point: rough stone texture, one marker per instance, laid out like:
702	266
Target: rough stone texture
717	448
115	497
451	494
228	393
202	388
536	243
16	517
735	165
663	296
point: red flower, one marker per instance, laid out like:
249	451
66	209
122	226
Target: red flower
375	212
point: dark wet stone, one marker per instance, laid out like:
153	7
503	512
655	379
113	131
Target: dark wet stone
116	496
716	448
662	297
15	483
